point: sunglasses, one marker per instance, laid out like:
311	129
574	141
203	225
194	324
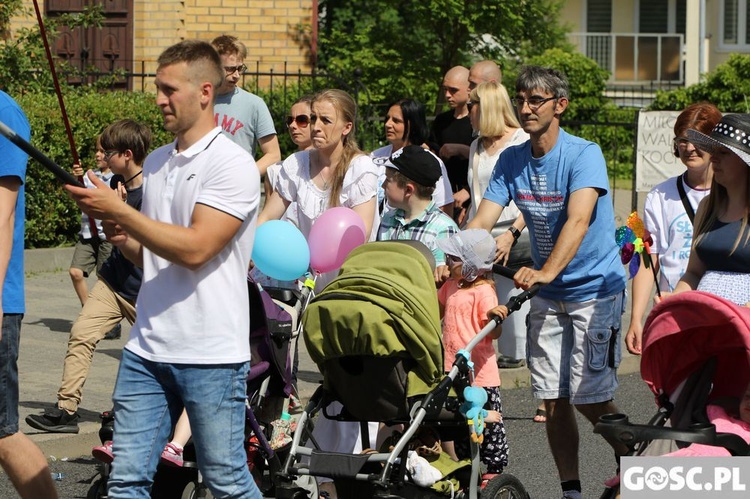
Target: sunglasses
302	120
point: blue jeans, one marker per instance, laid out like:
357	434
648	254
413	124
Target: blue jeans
149	397
574	348
9	374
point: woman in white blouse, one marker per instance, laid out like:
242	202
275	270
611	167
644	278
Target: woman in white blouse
334	173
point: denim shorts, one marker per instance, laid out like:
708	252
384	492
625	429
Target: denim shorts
574	349
9	374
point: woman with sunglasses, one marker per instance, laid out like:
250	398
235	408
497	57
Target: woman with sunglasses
405	125
668	216
298	124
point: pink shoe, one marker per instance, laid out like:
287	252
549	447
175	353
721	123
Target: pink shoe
172	455
612	483
103	452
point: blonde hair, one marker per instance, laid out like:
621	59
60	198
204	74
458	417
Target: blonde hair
496	114
346	110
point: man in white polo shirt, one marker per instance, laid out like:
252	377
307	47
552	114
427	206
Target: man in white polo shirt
189	345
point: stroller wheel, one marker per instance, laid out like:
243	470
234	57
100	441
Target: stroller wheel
195	490
610	493
303	487
98	489
504	486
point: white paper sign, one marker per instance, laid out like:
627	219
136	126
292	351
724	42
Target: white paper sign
655	160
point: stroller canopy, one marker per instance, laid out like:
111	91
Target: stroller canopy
685	331
382	304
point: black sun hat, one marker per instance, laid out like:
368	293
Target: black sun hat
732	132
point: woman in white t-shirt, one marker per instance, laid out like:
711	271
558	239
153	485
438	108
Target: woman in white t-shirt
669	219
406	124
335	172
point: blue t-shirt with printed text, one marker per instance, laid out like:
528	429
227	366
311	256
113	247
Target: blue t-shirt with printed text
541	188
13	164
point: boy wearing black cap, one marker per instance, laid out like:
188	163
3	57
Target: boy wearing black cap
411	174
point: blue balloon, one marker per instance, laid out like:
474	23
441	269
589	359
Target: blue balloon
280	250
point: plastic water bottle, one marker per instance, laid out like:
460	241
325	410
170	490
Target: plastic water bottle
281	434
57	477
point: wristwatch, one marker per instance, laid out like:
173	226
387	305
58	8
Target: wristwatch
515	233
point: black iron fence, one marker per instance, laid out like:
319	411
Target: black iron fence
614	130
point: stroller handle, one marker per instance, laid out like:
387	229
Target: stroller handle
503	271
515	301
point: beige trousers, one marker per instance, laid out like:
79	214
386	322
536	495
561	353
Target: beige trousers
103	310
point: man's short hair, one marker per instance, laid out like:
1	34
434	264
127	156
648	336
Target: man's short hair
126	135
203	61
546	79
229	45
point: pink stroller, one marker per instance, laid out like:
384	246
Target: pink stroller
696	349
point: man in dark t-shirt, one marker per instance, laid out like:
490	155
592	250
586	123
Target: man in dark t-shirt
452	133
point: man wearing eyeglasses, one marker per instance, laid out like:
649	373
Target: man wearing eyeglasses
559	182
243	116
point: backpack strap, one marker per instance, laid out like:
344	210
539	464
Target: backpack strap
685	201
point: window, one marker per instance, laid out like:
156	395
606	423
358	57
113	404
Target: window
735	18
653	16
599	20
662	16
599	16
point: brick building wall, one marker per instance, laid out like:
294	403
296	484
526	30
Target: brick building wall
276	32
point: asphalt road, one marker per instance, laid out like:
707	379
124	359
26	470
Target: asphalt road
52	307
531	461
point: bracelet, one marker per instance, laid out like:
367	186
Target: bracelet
514	232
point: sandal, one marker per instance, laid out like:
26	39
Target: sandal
486	479
540	416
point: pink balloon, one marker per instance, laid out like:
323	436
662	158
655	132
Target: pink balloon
333	236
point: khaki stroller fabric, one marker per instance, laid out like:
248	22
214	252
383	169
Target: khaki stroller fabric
382	304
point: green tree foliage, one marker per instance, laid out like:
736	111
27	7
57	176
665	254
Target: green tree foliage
23	60
727	87
590	114
403	47
8	9
52	219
